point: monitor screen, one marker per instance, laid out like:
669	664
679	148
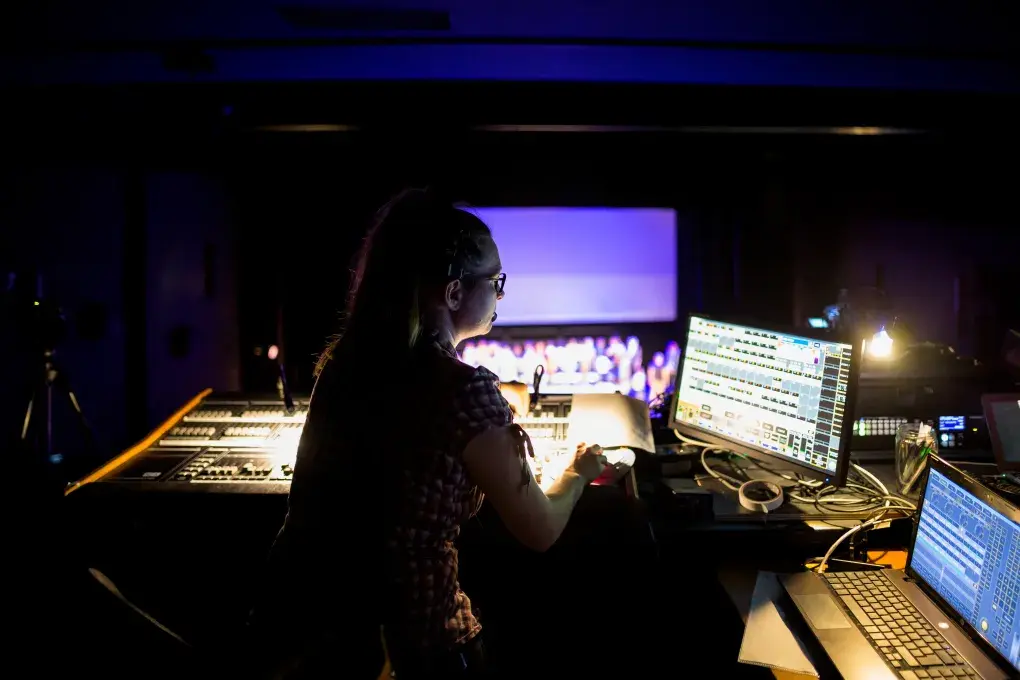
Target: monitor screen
952	423
969	553
579	365
768	391
586	265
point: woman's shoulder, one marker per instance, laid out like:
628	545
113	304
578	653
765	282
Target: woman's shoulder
443	359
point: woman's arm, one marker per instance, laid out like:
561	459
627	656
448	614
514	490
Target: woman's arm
535	518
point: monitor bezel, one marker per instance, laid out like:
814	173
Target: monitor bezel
987	400
974	487
838	478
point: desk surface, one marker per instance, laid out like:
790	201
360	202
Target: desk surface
738	582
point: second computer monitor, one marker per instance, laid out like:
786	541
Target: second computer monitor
769	394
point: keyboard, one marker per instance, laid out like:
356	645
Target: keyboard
912	647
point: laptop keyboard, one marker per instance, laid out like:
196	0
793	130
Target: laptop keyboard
894	627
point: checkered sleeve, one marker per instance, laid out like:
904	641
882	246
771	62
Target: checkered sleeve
479	405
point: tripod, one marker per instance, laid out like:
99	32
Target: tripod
37	430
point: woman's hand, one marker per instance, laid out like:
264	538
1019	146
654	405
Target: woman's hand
588	462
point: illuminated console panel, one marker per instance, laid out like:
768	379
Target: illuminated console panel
958	432
558	424
548	428
222	443
231	444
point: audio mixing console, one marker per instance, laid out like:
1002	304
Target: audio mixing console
234	444
548	428
215	443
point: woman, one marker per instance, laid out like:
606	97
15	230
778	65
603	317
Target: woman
386	474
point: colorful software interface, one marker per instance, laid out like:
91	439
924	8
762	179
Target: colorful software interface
781	394
969	553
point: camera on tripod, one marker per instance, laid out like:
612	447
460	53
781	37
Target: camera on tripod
38	322
39	329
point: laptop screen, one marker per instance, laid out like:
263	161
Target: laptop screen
969	553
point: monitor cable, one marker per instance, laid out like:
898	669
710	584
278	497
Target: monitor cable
867	524
892	503
733	483
812	492
851	496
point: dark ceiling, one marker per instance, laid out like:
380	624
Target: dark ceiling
930	45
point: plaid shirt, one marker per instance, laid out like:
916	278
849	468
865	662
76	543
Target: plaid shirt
438	498
414	494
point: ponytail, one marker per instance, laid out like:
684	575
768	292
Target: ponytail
417	242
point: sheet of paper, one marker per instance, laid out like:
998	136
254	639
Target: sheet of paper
611	420
767	639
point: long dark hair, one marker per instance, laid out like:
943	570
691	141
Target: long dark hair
417	244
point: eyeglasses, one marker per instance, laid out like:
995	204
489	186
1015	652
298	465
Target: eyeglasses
498	281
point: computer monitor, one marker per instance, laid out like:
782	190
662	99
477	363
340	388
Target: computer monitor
966	552
775	395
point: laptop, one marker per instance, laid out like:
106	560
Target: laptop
952	613
1002	414
1011	351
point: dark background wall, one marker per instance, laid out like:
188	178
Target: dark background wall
191	180
123	251
195	265
771	226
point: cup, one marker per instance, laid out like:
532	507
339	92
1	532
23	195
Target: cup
914	443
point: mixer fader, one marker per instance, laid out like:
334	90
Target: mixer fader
548	427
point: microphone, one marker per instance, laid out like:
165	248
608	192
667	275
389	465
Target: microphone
537	393
288	398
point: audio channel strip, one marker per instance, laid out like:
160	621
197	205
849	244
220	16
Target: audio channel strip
215	443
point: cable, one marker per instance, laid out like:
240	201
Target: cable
889	499
853	498
860	498
724	479
800	481
707	447
104	581
824	495
850	532
871	478
882	487
731	483
692	442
